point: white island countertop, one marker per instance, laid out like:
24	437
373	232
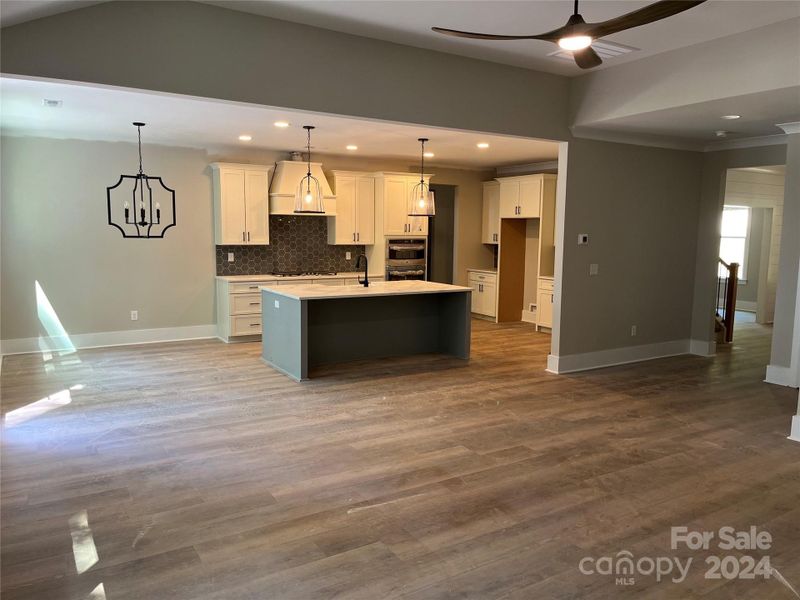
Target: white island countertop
377	288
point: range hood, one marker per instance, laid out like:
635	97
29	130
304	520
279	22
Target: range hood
288	174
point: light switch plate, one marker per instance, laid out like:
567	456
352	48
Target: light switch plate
594	269
277	303
134	315
230	256
583	239
347	256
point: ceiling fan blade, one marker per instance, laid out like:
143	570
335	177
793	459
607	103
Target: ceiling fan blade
587	58
643	16
482	36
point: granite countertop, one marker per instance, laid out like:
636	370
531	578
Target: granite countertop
379	288
268	277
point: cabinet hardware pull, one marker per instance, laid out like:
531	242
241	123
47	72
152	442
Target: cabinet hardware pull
255	324
248	236
255	303
253	287
358	237
243	236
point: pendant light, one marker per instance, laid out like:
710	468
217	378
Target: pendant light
308	198
422	201
137	212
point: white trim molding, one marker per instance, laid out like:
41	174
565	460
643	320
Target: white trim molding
103	339
795	434
572	363
779	375
789	128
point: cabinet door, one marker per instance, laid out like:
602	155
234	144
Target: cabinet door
477	299
257	207
395	206
489	300
365	210
232	207
530	194
344	224
509	199
544	309
490	232
418	225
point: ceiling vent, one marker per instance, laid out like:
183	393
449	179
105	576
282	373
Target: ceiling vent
605	50
51	103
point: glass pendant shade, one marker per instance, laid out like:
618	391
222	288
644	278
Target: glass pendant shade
421	203
308	198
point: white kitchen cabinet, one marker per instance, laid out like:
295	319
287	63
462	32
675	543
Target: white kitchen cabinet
544	303
491	213
354	222
241	204
395	194
521	197
484	292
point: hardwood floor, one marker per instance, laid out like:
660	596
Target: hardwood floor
192	470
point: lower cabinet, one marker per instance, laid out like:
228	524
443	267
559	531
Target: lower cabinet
544	303
484	292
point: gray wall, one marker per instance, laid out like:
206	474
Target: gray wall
638	201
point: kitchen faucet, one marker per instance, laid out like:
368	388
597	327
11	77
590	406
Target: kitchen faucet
365	283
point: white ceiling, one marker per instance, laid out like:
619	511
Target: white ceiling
104	113
409	22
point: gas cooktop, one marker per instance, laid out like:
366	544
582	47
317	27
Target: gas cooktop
301	273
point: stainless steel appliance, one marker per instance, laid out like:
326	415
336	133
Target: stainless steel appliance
406	259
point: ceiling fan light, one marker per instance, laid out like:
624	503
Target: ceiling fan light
575	42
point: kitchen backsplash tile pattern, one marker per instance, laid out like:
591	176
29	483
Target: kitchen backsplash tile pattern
296	244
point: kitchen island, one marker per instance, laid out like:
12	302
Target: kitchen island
306	326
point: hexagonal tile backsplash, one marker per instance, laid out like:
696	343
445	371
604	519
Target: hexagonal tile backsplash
295	244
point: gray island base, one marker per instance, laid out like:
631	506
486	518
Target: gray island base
306	326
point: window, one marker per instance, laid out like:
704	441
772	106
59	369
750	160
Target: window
733	243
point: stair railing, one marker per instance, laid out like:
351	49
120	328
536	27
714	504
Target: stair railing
727	286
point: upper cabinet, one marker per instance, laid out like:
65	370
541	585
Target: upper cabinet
394	190
521	197
354	222
491	212
241	204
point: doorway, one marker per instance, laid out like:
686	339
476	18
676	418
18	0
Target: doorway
441	234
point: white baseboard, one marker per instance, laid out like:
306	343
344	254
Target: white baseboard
795	435
781	376
107	338
702	347
616	356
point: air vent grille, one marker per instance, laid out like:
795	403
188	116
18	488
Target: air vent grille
605	50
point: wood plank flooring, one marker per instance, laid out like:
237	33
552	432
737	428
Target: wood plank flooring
193	471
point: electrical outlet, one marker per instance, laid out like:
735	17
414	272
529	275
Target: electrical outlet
347	256
583	239
633	330
594	269
277	303
230	256
134	315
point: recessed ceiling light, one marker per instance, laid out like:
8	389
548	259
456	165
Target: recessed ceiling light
281	124
351	147
245	138
731	117
483	144
51	103
428	154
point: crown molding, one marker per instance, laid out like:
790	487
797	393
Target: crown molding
789	128
636	139
537	167
751	142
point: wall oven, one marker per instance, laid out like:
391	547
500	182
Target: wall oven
406	259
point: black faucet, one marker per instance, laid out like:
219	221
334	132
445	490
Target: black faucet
365	283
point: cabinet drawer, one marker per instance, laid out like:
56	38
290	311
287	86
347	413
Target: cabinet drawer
244	304
246	325
247	287
483	277
546	285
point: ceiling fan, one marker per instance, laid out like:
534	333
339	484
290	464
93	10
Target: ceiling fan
577	35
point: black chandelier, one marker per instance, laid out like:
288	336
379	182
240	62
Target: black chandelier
141	210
